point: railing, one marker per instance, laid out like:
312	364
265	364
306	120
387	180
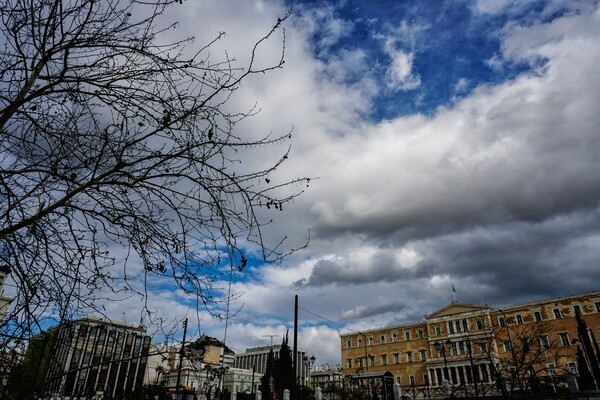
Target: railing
348	390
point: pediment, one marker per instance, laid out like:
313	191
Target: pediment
455	308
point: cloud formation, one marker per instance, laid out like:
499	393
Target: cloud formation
490	186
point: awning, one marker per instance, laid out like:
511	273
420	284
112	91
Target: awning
371	375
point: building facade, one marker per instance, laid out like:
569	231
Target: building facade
199	369
325	377
92	355
256	359
473	344
236	380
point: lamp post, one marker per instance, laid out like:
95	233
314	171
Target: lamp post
309	362
513	372
441	348
473	374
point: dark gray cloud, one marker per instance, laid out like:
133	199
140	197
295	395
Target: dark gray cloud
369	310
381	267
521	261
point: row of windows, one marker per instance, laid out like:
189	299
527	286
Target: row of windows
462	325
537	315
382	339
458	326
412	381
544	341
384	359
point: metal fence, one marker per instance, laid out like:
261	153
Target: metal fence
348	390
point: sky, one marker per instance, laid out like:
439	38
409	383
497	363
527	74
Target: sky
450	143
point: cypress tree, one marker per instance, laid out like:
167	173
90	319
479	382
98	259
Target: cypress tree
584	336
285	376
585	380
265	386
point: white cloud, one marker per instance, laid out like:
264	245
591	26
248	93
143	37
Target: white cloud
462	85
400	71
505	156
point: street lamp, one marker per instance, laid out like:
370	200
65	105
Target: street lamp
309	362
513	371
442	349
474	374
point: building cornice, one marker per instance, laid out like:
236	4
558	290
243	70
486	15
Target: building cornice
546	301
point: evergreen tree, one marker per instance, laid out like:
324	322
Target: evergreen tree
282	371
584	336
585	380
285	378
595	343
265	386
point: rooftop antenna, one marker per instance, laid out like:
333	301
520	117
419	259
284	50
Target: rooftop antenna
270	336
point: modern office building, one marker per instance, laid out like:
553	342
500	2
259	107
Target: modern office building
93	355
467	343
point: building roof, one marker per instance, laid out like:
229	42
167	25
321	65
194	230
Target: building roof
102	321
551	300
456	308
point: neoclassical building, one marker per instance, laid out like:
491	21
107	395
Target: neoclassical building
467	343
256	359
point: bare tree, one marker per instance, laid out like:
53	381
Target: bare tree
117	148
524	355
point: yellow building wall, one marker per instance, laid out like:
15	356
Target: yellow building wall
392	356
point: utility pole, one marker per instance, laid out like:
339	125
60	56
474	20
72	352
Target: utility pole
181	352
366	354
295	357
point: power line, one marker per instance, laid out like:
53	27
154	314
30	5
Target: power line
324	318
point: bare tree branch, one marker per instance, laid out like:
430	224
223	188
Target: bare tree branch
111	140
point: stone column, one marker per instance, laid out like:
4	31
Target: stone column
488	372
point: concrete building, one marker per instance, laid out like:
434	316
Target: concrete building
205	366
92	355
161	360
325	377
256	359
467	343
237	380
